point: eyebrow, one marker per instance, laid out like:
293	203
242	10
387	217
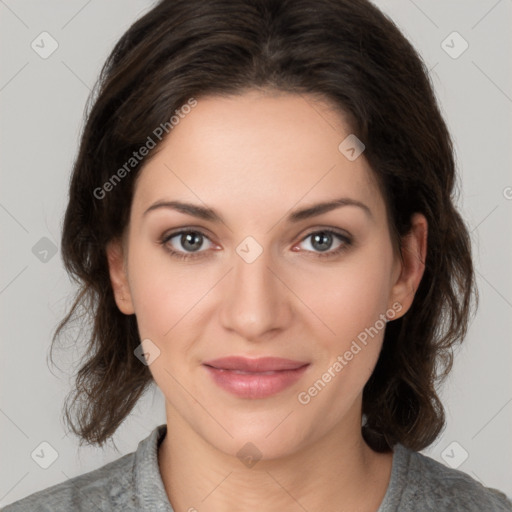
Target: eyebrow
210	214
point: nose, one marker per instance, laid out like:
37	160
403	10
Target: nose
255	301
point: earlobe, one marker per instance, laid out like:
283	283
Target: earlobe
119	277
414	254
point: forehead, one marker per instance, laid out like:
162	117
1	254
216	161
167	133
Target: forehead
257	153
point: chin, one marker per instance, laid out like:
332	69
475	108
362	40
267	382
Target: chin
262	436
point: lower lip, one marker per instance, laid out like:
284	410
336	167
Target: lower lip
255	385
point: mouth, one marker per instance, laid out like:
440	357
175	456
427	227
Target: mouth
255	378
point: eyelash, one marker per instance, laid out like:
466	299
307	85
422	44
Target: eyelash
346	243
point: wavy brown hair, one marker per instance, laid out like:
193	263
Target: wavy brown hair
344	51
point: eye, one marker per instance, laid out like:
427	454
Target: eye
321	242
186	243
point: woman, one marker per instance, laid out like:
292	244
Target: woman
261	222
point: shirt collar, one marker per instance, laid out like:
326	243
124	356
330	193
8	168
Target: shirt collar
149	487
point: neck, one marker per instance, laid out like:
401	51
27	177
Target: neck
331	474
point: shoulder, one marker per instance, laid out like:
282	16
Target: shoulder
104	488
127	484
429	485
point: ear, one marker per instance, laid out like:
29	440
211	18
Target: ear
119	277
411	266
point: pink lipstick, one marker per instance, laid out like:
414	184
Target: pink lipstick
255	378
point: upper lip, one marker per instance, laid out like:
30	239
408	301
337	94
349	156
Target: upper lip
262	364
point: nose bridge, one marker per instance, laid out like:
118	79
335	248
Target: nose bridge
255	301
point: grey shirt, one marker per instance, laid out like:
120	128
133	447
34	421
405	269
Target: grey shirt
133	483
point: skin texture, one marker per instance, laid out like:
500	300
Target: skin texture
254	158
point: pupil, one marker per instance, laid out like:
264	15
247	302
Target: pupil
324	241
191	241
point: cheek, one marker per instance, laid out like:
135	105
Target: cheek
351	297
347	358
351	302
172	301
162	292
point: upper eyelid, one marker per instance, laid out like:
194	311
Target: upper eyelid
179	231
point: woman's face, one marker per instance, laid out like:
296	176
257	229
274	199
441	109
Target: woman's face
261	271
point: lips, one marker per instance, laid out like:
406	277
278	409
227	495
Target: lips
255	378
260	365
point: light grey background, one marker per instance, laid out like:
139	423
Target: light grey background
42	103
